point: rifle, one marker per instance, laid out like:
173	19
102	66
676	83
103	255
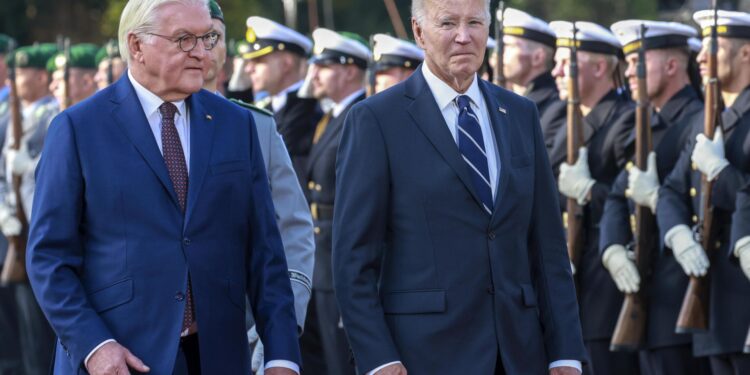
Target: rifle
694	312
112	52
630	330
498	76
371	72
574	212
398	25
14	269
66	76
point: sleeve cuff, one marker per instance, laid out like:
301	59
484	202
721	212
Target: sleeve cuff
382	367
567	363
673	232
91	353
283	363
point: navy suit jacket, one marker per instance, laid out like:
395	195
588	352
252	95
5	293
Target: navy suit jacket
422	273
110	249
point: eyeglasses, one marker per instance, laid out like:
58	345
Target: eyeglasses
188	42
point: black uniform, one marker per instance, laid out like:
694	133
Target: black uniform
296	123
679	203
325	349
667	352
606	129
552	110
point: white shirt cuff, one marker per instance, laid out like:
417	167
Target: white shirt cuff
91	353
283	363
382	367
567	363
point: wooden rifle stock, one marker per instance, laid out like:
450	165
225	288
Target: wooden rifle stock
498	75
370	89
694	312
398	25
66	77
574	213
14	268
629	334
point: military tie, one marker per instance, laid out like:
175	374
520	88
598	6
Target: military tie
174	158
321	127
471	147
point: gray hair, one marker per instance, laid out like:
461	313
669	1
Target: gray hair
418	10
139	16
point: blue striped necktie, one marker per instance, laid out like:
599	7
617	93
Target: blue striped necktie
471	147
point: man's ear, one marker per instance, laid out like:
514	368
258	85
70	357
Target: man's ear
135	45
418	32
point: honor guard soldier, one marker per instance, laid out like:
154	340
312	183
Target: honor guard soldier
339	65
725	162
277	65
608	119
528	59
81	66
37	108
677	106
109	64
394	60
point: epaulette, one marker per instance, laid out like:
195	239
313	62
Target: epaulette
251	107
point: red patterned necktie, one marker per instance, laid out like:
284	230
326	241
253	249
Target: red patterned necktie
174	157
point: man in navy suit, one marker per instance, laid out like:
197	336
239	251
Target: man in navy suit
449	253
153	217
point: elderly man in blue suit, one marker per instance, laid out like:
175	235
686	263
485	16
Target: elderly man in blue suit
153	217
449	252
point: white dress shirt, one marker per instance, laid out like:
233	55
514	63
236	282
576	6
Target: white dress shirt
445	97
278	101
150	103
339	107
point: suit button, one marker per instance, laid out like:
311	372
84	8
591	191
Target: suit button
179	296
490	289
491	235
186	241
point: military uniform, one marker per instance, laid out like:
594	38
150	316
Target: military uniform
552	111
325	349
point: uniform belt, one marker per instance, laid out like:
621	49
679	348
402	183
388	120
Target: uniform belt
321	211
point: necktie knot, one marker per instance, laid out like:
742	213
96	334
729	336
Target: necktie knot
463	102
167	111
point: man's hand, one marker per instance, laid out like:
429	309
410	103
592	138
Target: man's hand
564	370
394	369
113	358
19	161
617	261
708	155
575	180
643	186
742	251
688	253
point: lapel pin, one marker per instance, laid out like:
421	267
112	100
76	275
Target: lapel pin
502	110
209	118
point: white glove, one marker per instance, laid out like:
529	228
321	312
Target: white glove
257	360
687	251
643	186
708	155
617	261
18	161
10	225
575	181
240	81
742	251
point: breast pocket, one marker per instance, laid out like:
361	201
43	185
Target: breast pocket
233	166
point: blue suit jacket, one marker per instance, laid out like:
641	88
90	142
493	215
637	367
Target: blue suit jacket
109	248
425	276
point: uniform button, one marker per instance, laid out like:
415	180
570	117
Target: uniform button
718	245
694	166
490	289
318	187
311	185
693	192
629	165
186	241
491	235
632	223
316	230
695	219
179	296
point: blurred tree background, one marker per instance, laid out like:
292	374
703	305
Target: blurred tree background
97	20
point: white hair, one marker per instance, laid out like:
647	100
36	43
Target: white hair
418	10
139	16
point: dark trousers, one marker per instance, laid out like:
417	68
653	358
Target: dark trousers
324	347
673	360
605	362
188	361
730	364
35	336
10	353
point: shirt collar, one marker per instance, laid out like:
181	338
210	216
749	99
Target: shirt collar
279	100
150	102
341	106
445	94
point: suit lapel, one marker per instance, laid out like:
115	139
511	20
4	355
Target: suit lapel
129	116
499	122
428	118
201	140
